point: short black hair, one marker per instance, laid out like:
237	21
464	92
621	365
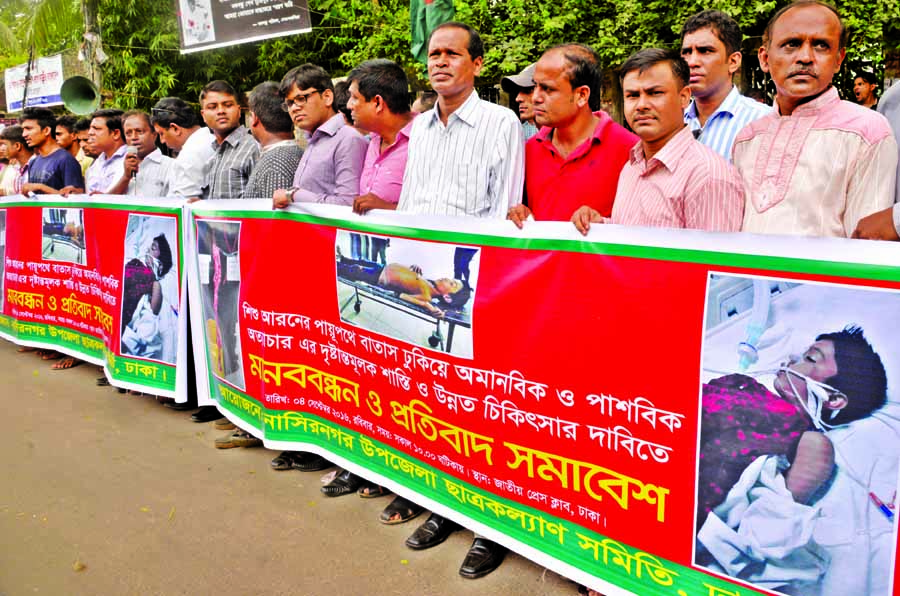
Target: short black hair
861	375
13	134
584	69
649	57
82	125
265	102
385	78
67	122
867	76
113	119
475	47
219	86
43	116
306	76
725	28
459	298
140	113
341	97
767	34
173	110
165	254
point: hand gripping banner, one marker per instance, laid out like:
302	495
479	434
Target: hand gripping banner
644	411
98	279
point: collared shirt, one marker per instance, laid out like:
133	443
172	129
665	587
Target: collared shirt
734	113
685	185
105	171
529	130
555	187
818	171
192	164
474	166
231	166
274	169
155	176
382	173
331	164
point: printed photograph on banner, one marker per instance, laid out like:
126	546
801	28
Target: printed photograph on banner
219	267
197	22
417	292
150	293
62	235
799	435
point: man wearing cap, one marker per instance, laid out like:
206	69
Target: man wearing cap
521	86
576	157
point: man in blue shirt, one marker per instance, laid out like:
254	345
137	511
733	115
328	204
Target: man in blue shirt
53	168
711	45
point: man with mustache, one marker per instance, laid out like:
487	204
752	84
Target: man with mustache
816	165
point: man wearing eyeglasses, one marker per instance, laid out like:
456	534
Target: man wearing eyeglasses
176	123
235	150
330	168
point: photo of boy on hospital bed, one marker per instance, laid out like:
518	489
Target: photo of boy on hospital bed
799	436
396	284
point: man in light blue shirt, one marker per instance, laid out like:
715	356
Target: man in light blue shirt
711	45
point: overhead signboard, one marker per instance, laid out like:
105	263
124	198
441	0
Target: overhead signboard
46	79
207	24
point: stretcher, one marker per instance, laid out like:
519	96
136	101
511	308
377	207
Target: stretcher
452	317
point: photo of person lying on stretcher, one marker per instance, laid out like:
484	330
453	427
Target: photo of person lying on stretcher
402	288
408	282
798	455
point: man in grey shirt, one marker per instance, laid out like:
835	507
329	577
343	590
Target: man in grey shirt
280	154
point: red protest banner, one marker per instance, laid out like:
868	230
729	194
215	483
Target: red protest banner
564	397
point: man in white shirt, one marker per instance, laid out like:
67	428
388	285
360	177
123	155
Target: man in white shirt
177	126
148	173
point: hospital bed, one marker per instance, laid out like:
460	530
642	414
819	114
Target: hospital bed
452	317
857	535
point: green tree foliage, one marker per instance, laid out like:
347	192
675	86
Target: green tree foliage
141	37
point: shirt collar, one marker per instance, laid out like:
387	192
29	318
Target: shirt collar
120	152
467	112
331	126
728	106
154	156
237	135
815	106
544	134
669	155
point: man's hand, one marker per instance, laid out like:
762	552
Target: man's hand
71	190
518	215
365	203
37	188
435	311
132	165
584	217
192	200
878	226
281	199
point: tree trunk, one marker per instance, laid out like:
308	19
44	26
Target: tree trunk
92	43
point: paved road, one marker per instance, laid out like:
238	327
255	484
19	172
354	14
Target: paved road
110	494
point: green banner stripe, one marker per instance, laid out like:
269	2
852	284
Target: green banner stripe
571	543
76	205
657	253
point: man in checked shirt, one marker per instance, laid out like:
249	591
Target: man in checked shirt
236	151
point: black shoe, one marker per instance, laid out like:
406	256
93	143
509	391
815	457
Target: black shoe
206	414
184	407
435	530
309	462
483	557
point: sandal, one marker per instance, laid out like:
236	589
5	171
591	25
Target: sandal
309	462
407	510
343	484
26	349
102	382
370	490
51	356
283	461
66	363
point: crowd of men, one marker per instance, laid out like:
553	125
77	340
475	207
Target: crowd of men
696	154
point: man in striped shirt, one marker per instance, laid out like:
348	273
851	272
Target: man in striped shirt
273	129
670	179
711	46
466	156
236	151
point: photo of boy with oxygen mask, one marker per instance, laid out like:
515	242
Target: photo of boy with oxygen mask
772	445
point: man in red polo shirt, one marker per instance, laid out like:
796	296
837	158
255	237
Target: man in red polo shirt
576	157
